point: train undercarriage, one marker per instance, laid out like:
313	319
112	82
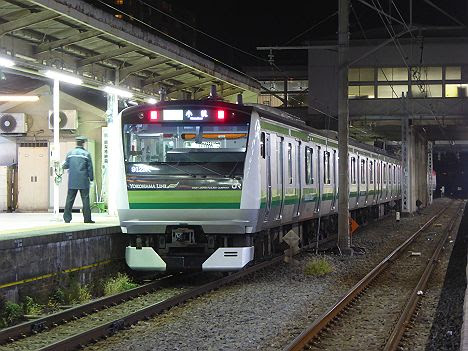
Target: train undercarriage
189	248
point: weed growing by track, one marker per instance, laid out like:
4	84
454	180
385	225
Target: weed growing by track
118	284
318	267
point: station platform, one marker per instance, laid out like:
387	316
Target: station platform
37	249
22	225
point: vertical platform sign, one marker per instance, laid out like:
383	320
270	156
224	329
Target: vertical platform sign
105	163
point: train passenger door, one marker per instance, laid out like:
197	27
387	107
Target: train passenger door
318	176
267	155
298	182
366	177
334	180
358	171
280	174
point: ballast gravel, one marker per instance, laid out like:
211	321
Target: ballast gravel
268	309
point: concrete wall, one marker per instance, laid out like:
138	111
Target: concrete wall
33	257
8	151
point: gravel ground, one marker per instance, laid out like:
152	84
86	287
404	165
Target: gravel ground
268	309
438	320
446	329
373	316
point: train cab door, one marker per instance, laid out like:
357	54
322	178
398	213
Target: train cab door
268	184
318	176
297	178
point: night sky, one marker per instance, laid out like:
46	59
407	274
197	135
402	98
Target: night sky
246	25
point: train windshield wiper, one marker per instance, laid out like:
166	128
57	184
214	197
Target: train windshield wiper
181	170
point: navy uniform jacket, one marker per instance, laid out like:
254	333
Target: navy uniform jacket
80	168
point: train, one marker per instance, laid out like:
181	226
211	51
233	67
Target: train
211	185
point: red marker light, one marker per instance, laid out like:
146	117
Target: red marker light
220	114
153	115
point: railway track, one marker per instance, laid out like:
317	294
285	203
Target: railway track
378	310
71	329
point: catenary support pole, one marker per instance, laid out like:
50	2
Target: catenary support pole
56	149
343	128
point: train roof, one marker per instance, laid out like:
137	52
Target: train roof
294	121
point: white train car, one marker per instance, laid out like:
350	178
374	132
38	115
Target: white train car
212	185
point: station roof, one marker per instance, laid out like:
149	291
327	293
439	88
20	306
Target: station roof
77	37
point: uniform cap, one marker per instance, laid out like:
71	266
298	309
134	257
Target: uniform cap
81	138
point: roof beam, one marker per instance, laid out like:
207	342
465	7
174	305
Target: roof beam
67	41
106	56
170	75
27	21
193	83
125	72
177	88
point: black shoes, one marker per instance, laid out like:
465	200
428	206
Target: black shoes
90	221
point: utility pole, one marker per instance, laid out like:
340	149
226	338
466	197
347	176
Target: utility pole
343	128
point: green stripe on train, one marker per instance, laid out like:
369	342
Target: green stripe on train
179	199
183	206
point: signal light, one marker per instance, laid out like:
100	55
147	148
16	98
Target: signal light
220	114
153	115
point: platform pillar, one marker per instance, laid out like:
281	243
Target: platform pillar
430	179
406	198
56	145
113	134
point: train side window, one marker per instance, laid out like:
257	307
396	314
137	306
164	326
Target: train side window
371	172
326	167
378	172
309	163
262	145
290	177
353	170
389	174
385	174
363	171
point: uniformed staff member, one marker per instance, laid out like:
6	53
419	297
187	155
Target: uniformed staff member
80	173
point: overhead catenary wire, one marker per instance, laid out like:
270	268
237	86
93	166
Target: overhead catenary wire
398	46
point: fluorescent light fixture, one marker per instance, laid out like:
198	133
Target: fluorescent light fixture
4	62
119	92
24	98
152	101
66	78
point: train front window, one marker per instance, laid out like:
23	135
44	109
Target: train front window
181	149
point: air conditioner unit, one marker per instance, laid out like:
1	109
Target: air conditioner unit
13	123
68	119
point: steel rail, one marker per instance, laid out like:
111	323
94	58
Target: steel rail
412	303
302	340
37	325
112	327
